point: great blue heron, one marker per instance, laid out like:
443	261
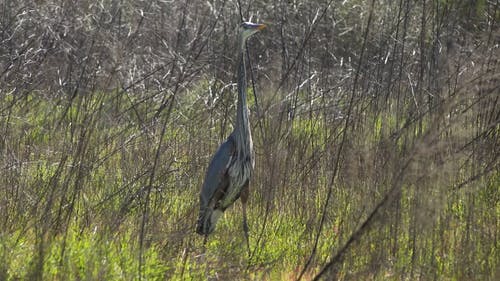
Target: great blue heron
232	165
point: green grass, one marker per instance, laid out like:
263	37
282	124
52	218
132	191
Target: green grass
76	201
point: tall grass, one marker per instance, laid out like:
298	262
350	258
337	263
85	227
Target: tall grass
375	127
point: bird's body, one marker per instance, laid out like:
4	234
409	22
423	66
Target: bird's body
231	167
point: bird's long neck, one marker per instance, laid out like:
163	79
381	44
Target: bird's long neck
242	121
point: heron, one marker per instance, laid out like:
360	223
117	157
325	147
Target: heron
230	169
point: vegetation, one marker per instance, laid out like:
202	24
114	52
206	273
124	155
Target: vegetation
376	130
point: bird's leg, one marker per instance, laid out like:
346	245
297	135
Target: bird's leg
204	259
205	239
244	199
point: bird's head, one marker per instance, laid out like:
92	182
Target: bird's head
248	29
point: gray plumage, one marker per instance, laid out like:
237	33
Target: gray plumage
231	167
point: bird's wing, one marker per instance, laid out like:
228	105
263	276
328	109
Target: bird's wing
216	179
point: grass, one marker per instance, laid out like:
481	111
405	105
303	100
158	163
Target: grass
96	253
76	178
375	126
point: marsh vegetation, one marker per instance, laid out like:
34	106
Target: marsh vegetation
375	126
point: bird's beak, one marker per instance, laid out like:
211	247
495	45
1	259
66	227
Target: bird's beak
261	26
